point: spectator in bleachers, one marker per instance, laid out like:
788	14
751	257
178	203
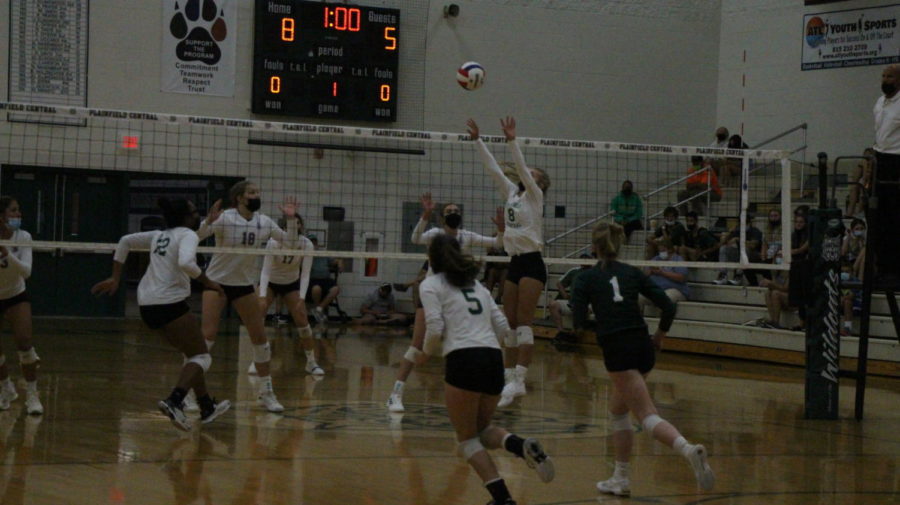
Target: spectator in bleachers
381	308
730	252
699	243
721	138
322	287
777	300
731	171
627	209
860	185
801	267
670	229
495	273
560	308
853	249
702	180
672	280
772	237
851	299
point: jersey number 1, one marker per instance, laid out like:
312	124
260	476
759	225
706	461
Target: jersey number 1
478	309
617	295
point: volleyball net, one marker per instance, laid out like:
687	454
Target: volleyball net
86	176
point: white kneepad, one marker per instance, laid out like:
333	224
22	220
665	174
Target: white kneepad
620	422
262	353
470	447
412	354
525	335
650	422
511	339
28	357
204	361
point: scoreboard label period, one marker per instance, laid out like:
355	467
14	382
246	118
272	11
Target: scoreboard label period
324	60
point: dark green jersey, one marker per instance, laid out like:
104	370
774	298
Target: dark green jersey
613	294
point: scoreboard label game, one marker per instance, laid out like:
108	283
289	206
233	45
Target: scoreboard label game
325	60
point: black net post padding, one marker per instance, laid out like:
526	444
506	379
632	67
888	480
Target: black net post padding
823	315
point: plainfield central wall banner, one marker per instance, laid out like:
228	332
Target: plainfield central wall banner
851	38
198	46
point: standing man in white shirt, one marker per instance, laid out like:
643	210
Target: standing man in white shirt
883	234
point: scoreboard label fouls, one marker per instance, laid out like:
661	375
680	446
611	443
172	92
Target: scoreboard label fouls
325	60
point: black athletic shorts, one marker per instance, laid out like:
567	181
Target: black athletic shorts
628	350
478	369
283	289
15	300
529	265
157	316
232	293
326	284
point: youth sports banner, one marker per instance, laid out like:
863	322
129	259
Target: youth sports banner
198	46
851	38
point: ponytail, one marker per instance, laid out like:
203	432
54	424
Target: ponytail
446	257
607	239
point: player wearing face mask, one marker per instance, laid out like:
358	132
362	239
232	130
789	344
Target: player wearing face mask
15	307
452	218
243	227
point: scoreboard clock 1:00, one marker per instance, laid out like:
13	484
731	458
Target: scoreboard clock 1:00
325	60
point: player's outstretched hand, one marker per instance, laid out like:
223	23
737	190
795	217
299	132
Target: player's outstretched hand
289	207
508	126
214	212
473	129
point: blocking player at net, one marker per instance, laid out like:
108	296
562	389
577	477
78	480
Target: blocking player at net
524	241
288	277
15	269
464	325
452	226
162	295
243	226
612	289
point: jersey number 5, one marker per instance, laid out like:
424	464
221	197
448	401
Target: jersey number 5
468	294
617	295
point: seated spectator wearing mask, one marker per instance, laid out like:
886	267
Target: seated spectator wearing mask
380	308
699	243
772	237
777	300
670	230
730	252
853	249
702	178
560	308
627	209
672	280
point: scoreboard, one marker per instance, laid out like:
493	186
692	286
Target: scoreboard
325	60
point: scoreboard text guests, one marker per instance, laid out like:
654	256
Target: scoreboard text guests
325	60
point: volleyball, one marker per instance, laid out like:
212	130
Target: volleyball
470	75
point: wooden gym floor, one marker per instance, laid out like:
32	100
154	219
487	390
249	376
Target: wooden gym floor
102	441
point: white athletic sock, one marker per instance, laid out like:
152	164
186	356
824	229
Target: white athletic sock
622	470
310	356
210	344
521	371
265	384
31	387
398	387
681	446
509	375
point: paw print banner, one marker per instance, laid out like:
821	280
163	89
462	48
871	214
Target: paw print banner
198	47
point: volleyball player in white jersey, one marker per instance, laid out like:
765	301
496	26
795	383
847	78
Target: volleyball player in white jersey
452	218
523	240
463	324
161	296
243	226
15	268
288	277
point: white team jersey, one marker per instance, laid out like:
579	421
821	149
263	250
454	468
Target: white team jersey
467	239
524	213
16	267
286	269
232	230
173	263
466	317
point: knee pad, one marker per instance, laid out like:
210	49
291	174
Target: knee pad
412	354
470	447
28	357
620	422
202	360
525	335
511	339
262	353
650	422
305	332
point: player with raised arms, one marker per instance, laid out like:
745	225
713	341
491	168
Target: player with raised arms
452	226
612	289
524	241
15	269
161	296
464	325
288	277
244	226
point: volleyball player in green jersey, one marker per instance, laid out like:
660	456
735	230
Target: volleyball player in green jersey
612	289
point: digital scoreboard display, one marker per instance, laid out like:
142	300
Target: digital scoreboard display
325	60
